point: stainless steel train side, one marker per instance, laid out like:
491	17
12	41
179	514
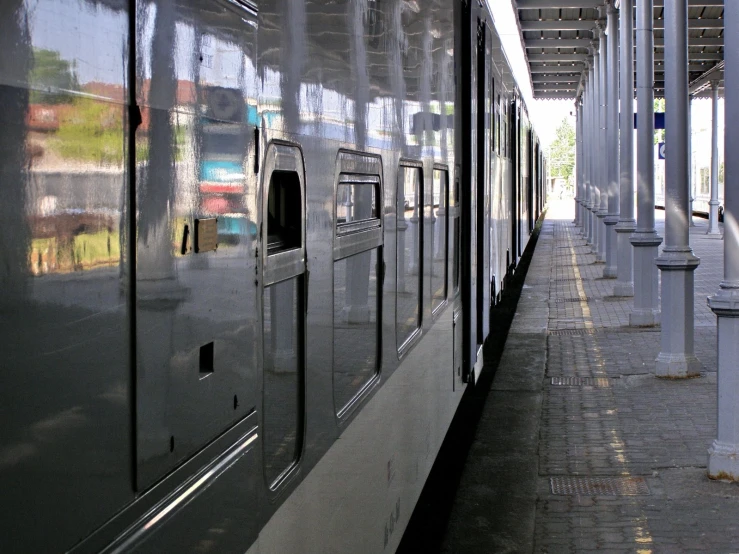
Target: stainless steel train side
248	252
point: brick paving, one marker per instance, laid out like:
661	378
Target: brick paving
632	425
638	426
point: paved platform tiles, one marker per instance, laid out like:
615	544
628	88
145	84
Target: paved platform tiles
605	418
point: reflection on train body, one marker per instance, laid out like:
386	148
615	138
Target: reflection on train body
232	237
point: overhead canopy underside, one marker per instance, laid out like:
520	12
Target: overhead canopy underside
558	33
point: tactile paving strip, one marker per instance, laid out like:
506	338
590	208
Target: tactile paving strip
601	382
599	486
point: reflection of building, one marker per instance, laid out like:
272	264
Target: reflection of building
223	149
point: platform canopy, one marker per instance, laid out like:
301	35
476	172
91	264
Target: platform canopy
558	33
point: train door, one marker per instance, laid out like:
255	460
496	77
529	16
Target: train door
467	153
530	181
283	303
514	178
484	164
196	379
523	175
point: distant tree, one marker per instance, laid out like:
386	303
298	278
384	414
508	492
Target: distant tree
562	152
659	106
49	70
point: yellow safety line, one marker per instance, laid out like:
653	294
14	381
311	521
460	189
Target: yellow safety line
642	537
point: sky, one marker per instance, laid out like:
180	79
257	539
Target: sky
546	115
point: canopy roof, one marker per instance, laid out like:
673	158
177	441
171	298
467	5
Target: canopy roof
558	33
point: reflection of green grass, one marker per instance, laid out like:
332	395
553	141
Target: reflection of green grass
94	132
96	248
84	251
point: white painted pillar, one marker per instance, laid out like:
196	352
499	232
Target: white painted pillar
645	239
677	262
611	269
713	228
624	285
723	455
605	155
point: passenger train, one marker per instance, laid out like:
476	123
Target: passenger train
248	255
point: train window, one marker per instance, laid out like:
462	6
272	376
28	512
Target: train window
498	126
284	205
357	205
439	239
455	209
283	378
358	275
356	331
409	237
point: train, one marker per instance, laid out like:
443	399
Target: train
248	255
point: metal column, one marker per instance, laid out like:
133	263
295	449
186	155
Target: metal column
713	228
677	262
605	155
611	219
590	200
584	211
691	181
578	161
645	239
597	150
624	285
723	455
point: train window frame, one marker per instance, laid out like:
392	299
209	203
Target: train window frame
353	238
444	170
281	157
406	345
455	217
348	182
279	266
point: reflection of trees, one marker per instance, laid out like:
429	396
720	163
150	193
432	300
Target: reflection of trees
50	70
15	64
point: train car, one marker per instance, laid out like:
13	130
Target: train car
248	265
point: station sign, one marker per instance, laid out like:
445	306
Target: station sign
659	120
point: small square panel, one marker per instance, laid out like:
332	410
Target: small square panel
206	235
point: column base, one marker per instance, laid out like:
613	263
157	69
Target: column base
676	359
646	312
600	255
644	318
611	269
623	289
355	314
624	285
713	228
677	365
723	461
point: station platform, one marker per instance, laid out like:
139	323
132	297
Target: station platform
579	447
